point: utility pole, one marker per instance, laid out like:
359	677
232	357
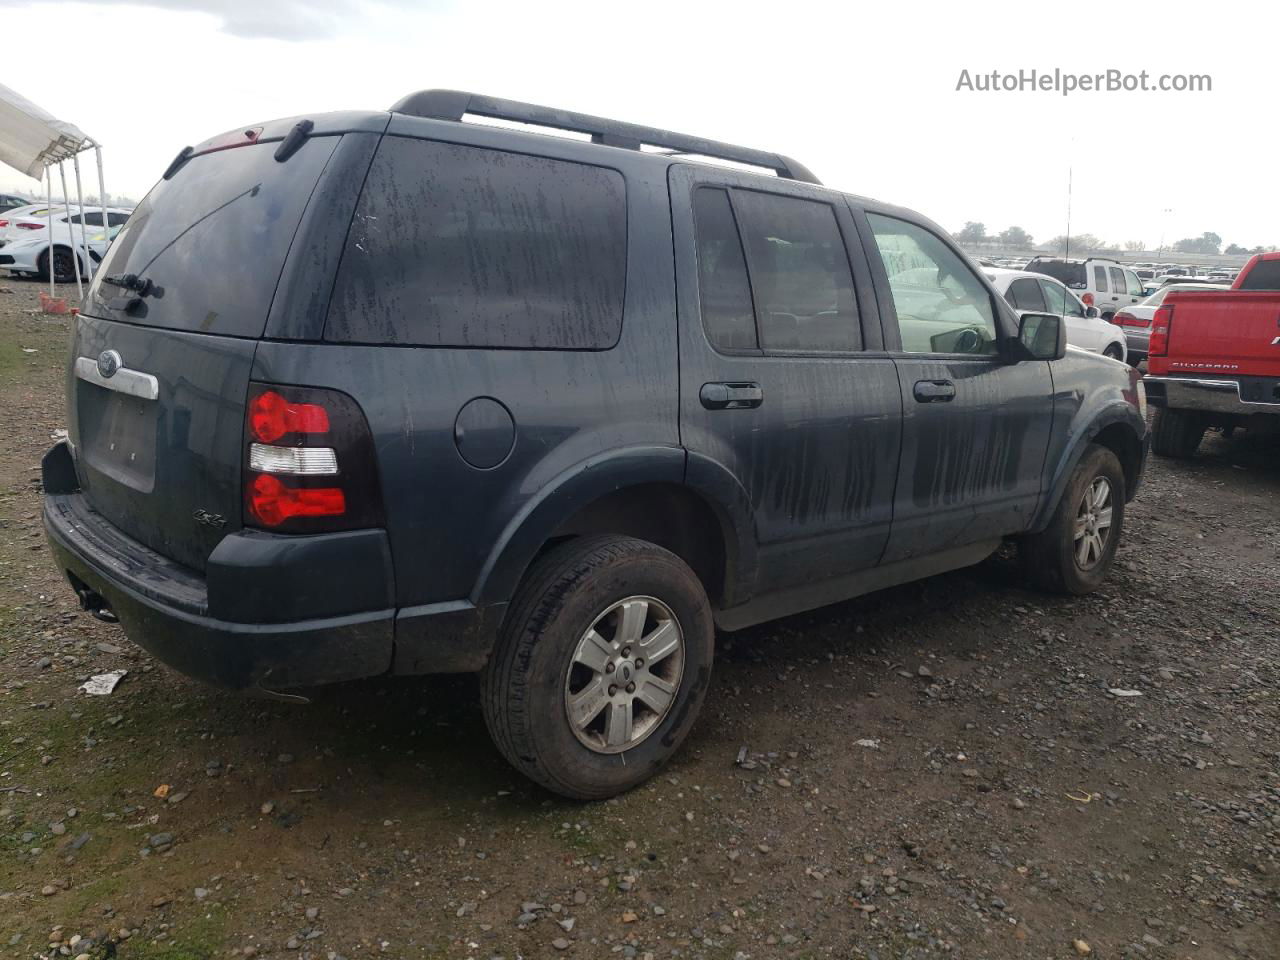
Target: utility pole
1164	222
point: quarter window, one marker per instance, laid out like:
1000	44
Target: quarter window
800	274
724	291
461	246
942	306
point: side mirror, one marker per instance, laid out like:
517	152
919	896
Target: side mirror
1041	336
1092	312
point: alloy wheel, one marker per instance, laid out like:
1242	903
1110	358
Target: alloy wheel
624	675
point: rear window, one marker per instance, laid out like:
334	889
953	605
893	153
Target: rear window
1265	275
1064	271
468	247
212	240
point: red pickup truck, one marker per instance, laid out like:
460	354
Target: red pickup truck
1214	360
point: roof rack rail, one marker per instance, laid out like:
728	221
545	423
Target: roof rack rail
454	104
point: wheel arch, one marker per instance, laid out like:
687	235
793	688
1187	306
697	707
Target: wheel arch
1116	427
640	493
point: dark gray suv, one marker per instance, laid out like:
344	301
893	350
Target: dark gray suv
395	393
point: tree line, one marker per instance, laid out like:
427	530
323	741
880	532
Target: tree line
1207	243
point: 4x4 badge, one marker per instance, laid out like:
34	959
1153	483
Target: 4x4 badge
215	520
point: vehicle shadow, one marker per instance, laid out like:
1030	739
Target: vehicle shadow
420	742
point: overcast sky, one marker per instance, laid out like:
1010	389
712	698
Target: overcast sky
865	95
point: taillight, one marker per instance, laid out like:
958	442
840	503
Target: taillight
1087	299
1126	319
309	464
25	225
3	224
1161	324
273	501
271	417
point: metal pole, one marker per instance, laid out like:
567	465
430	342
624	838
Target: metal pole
71	232
49	215
102	197
84	239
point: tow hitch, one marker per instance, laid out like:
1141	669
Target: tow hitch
96	604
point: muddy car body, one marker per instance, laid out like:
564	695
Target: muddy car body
377	393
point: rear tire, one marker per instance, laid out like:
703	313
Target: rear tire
64	266
585	589
1061	558
1176	433
1113	351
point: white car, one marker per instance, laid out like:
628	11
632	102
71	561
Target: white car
1038	293
26	250
1135	321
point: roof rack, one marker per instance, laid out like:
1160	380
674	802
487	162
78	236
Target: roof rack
454	104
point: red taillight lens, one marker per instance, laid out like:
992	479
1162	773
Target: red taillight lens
1087	299
3	224
1126	319
271	417
1161	324
273	502
309	462
29	226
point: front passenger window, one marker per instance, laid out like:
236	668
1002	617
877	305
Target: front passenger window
942	306
1055	298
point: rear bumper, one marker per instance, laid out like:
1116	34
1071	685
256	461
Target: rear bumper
164	609
1208	394
243	625
1138	343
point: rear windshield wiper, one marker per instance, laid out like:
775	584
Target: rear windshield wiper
140	287
131	281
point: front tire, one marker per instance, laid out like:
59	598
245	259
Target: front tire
1114	352
601	667
1176	433
1074	552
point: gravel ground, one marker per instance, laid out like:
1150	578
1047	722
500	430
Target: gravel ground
934	770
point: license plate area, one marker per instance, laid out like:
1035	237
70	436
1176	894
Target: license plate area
118	436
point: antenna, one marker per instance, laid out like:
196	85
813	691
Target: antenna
1067	253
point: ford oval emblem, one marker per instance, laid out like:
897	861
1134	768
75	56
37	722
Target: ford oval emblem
109	361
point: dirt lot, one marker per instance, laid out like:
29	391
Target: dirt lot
938	769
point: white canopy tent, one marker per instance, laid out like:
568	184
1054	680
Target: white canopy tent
33	142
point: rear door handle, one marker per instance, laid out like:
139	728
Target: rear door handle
935	391
739	395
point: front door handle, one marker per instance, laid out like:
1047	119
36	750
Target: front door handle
739	395
934	391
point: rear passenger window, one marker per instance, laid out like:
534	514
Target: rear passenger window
799	274
1117	280
723	289
1100	279
1025	295
467	247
